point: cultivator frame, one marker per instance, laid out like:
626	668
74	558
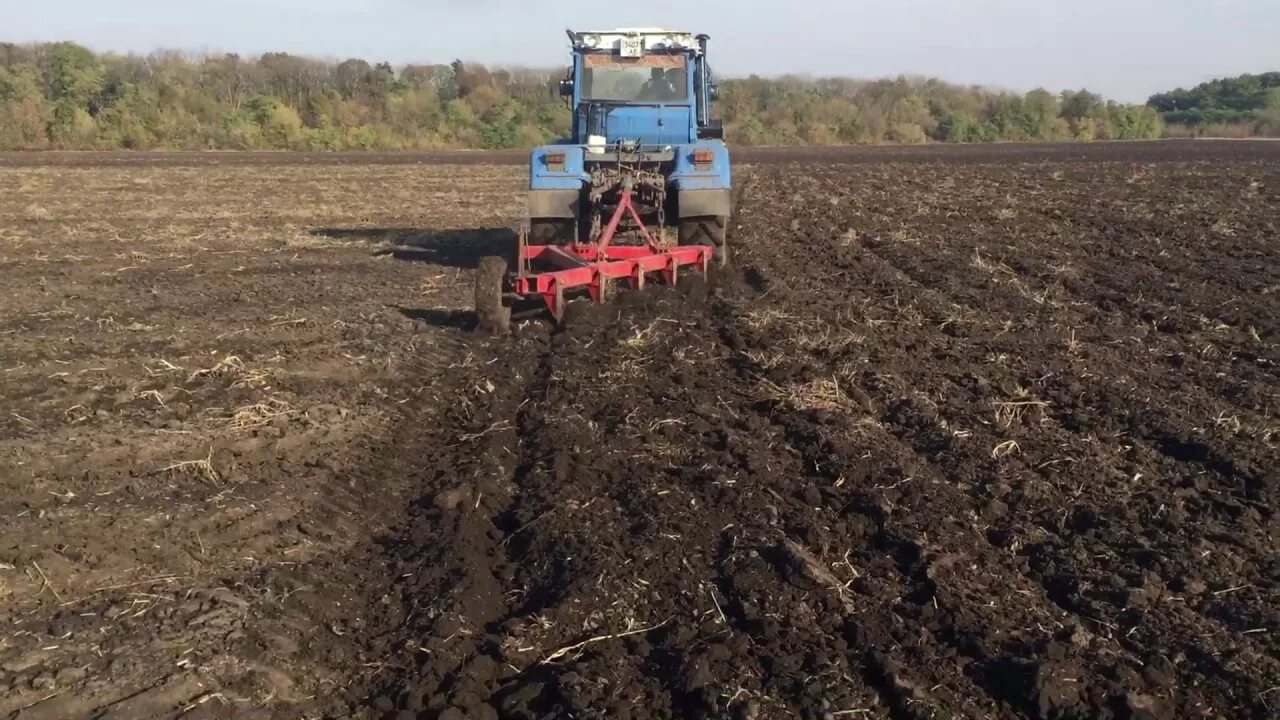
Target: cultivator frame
594	266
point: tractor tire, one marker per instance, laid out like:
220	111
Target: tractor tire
493	315
551	231
711	230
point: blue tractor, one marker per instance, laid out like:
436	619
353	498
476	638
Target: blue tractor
641	188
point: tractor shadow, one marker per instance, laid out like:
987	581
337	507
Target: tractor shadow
460	248
454	248
465	320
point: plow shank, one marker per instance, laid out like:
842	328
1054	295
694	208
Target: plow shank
592	266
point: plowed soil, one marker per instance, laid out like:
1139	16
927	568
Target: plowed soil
958	435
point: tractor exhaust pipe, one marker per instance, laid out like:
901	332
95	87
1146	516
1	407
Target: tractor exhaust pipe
704	97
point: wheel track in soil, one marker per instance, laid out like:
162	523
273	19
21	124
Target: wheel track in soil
900	692
874	661
556	536
897	686
908	554
446	559
531	503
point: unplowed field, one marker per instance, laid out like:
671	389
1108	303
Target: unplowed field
963	433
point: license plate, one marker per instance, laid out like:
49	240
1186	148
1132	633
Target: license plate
632	47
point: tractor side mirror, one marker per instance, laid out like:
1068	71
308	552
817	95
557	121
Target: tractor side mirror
566	88
714	92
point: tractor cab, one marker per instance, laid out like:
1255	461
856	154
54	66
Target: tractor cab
647	86
641	96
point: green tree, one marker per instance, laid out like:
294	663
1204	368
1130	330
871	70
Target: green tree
24	115
74	74
350	78
63	95
1043	111
280	126
1080	104
956	128
1238	101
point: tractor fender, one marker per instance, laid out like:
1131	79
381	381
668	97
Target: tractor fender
555	188
686	175
568	174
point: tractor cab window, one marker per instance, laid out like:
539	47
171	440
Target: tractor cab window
652	78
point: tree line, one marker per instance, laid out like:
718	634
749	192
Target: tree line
1246	105
63	95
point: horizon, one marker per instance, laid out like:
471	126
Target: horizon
1123	53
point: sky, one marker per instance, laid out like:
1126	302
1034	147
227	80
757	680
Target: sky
1124	49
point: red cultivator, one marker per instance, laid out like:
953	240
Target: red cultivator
591	266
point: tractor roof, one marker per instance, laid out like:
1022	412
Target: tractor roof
652	39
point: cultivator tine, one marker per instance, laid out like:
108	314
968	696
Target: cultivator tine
555	303
593	267
601	288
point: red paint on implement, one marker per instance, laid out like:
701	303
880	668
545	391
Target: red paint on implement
595	265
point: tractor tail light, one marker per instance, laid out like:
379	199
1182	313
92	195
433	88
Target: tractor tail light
555	162
702	159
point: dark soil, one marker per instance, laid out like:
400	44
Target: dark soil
970	438
203	373
950	442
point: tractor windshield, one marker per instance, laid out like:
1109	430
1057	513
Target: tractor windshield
652	78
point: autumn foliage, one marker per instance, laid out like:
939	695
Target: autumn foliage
62	95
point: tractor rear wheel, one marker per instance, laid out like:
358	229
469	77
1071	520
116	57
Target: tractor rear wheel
710	230
493	314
